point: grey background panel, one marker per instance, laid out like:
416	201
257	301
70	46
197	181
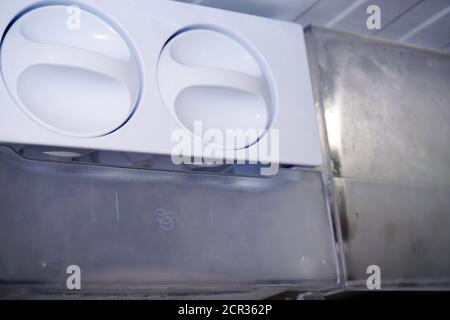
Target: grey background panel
356	20
425	24
421	22
323	12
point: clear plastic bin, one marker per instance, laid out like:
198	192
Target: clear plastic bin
143	232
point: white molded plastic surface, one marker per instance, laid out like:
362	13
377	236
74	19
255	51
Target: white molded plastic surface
87	82
81	81
207	76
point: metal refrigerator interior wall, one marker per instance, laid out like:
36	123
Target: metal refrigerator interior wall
387	112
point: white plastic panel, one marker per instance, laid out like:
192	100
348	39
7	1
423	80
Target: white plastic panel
80	81
205	75
86	83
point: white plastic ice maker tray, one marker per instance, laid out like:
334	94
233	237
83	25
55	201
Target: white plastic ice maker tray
123	75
